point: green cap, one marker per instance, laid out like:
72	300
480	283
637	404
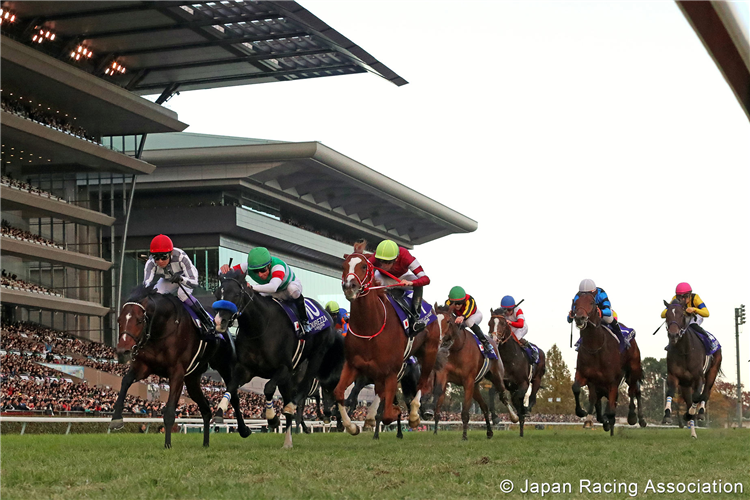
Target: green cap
457	293
258	258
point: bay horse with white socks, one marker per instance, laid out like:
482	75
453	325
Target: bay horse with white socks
521	377
602	367
466	366
688	365
157	332
377	347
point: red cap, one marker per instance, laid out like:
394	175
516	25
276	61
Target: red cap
161	244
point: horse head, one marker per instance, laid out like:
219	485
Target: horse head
232	295
498	326
677	320
447	323
135	322
357	276
586	311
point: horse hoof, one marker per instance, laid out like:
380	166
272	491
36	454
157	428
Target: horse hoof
464	438
326	420
218	419
168	446
116	425
428	415
666	421
414	422
205	445
642	422
632	420
353	429
489	435
580	413
496	420
290	409
308	430
605	425
245	432
270	413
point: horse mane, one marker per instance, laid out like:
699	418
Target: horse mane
441	308
235	274
140	292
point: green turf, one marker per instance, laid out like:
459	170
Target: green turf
338	466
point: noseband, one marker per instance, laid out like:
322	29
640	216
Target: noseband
365	284
505	337
682	329
245	295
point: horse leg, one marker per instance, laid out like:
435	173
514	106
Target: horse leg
632	389
687	395
614	390
438	394
438	405
641	420
468	396
713	371
348	374
485	410
175	390
193	385
373	413
128	380
579	382
493	413
390	386
517	398
536	382
239	377
399	432
496	377
300	420
427	363
671	389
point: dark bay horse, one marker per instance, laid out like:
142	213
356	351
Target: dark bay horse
522	378
688	365
162	339
267	347
376	346
602	368
466	366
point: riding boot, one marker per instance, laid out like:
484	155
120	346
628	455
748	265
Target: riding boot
302	316
615	326
417	325
207	331
482	338
526	345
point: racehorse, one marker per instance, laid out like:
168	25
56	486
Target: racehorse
602	367
377	347
161	338
267	347
466	366
688	365
522	378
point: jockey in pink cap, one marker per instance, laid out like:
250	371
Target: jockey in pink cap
693	304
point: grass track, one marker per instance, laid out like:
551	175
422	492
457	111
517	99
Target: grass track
120	466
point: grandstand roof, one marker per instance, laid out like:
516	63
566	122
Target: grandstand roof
307	176
170	46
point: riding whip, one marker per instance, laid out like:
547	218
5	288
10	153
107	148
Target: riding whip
659	327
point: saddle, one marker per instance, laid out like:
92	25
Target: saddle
316	317
532	352
707	338
489	355
628	334
401	303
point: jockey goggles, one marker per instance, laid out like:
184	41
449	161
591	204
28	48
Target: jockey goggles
160	256
684	295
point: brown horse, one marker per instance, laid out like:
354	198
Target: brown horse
466	366
602	368
377	347
688	365
159	335
521	377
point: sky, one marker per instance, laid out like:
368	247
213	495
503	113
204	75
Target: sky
587	139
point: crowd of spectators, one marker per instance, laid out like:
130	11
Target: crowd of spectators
13	232
10	280
23	186
37	112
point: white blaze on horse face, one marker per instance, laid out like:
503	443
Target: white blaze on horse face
352	266
495	325
440	325
127	317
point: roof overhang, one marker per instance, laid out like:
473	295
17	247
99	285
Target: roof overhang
171	46
34	205
47	148
51	302
34	252
725	36
312	177
100	106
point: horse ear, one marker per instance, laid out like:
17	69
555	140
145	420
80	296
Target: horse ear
435	306
346	256
666	304
360	246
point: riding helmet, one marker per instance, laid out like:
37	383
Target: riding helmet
387	250
587	285
683	288
332	307
457	293
161	244
258	258
508	302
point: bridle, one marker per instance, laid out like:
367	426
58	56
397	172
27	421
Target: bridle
586	321
505	337
141	340
365	284
682	329
247	298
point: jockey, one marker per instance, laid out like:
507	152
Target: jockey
397	261
694	306
340	316
602	302
464	307
172	272
274	278
516	320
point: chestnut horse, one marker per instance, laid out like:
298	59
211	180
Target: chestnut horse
466	366
521	377
602	367
377	347
688	365
161	338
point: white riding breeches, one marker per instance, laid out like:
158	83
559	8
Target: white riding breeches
390	281
293	291
165	287
474	319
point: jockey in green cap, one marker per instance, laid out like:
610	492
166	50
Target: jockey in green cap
465	308
273	277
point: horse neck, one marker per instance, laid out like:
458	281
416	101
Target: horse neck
592	332
459	338
256	312
367	311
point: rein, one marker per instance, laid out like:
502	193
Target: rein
595	327
504	338
142	339
370	337
365	284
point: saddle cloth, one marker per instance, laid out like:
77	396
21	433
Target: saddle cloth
709	341
489	355
532	352
427	315
628	334
316	316
194	316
